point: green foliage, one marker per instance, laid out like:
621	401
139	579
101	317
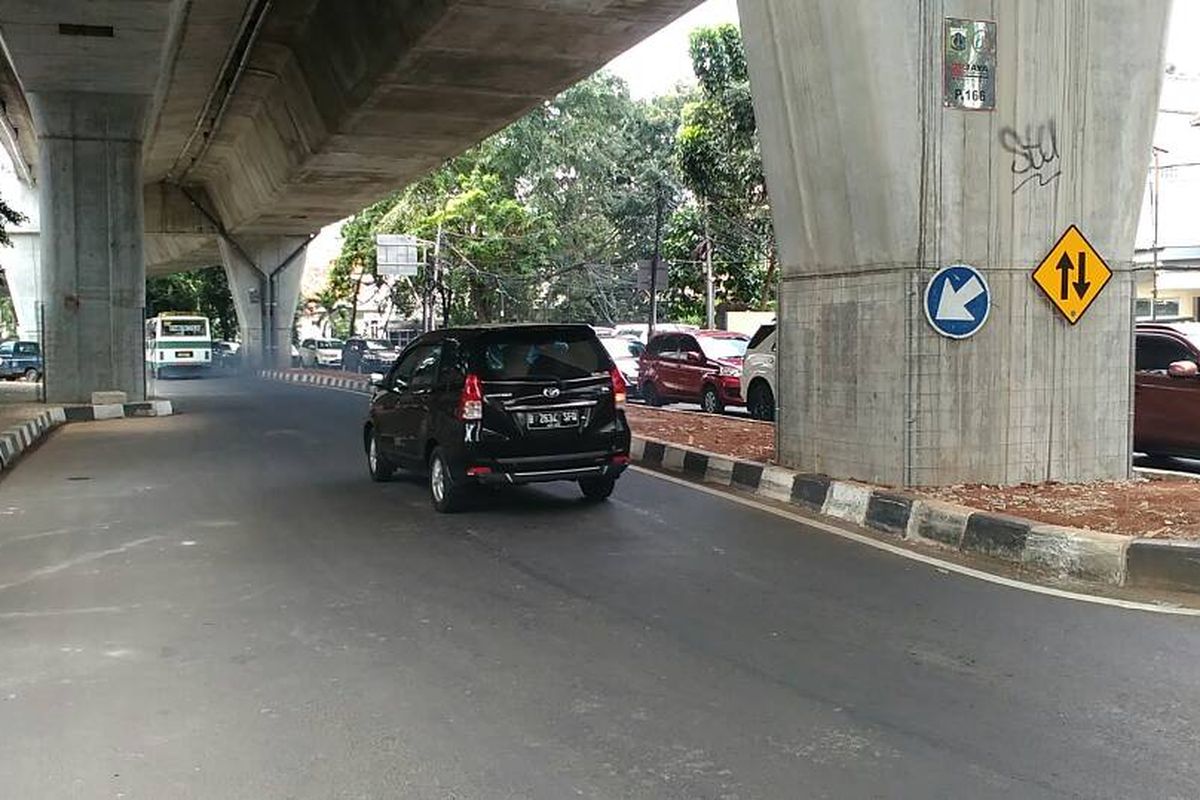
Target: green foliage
8	216
204	291
547	219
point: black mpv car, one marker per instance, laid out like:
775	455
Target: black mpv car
501	405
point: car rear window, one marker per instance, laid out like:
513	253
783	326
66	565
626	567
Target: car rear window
514	355
761	335
723	347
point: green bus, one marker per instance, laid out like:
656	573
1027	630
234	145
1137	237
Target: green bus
178	344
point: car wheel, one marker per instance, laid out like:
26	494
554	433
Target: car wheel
31	375
380	467
762	402
444	490
650	395
597	489
710	401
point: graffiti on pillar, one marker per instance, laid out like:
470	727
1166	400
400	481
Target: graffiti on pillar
1035	155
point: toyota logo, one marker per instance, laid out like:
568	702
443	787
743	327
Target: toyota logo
552	392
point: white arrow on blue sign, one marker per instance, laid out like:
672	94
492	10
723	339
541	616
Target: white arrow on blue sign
957	301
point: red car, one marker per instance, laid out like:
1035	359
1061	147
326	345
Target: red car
702	367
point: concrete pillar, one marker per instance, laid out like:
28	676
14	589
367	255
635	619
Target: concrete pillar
875	185
264	275
93	279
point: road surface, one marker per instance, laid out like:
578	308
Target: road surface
222	605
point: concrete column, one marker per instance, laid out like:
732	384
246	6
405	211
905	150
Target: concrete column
874	185
93	279
264	275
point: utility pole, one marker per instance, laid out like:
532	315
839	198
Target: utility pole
437	277
658	214
710	319
1154	246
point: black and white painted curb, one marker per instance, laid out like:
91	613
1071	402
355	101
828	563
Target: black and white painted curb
16	440
1067	552
149	408
1089	555
357	384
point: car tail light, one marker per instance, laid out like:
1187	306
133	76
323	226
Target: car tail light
470	402
475	472
618	386
620	459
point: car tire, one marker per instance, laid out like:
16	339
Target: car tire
378	465
761	402
445	491
597	490
650	395
710	401
32	375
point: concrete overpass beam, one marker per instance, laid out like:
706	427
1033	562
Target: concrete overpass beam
93	279
264	275
875	185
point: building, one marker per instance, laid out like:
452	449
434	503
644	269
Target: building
1168	233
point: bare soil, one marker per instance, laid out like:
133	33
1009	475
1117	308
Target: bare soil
728	436
1155	506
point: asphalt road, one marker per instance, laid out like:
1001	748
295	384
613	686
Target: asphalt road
222	605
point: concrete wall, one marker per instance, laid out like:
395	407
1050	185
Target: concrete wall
874	186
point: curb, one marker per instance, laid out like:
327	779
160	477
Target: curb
1061	551
1094	556
17	439
149	408
308	379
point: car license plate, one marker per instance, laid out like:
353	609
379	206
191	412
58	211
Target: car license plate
553	419
183	353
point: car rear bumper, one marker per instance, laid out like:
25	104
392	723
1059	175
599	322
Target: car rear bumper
549	475
544	469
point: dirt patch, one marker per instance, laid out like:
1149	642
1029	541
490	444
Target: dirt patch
728	436
1155	506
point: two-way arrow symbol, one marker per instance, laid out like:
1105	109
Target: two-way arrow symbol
1081	284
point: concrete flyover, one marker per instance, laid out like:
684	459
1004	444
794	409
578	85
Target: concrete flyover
173	134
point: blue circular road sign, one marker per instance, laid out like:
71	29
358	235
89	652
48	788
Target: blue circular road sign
957	301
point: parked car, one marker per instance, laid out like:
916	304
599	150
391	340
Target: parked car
225	355
20	360
625	352
368	355
501	406
704	367
321	353
1166	389
758	374
641	331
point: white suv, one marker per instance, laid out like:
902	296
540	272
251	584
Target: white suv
758	374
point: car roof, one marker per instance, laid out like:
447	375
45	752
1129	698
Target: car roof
1188	330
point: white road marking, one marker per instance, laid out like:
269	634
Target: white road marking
939	564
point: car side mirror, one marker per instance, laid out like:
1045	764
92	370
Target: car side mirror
1183	369
376	379
692	357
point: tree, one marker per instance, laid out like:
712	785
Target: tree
720	162
203	291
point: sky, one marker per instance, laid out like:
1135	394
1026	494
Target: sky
657	64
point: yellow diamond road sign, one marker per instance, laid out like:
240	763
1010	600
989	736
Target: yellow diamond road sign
1072	275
